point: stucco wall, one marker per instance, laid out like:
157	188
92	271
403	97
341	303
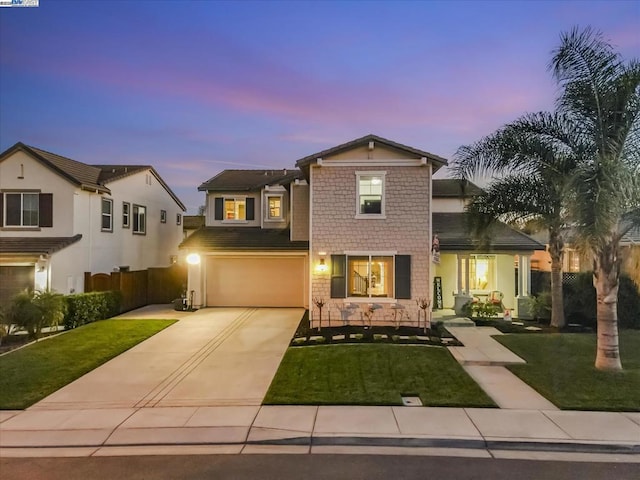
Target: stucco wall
38	177
448	270
405	230
124	248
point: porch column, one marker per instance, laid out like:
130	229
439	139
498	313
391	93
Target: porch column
462	295
524	286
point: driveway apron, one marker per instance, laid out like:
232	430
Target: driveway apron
212	357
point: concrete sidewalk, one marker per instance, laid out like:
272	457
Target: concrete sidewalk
484	360
320	429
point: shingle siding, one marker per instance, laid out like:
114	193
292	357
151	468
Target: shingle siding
404	230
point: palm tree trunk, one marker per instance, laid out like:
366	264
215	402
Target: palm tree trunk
605	280
556	251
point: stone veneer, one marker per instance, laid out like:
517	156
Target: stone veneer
405	229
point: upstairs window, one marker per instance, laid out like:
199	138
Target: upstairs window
107	215
370	191
22	209
274	207
235	209
163	216
139	219
178	219
126	213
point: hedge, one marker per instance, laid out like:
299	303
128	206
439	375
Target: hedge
88	307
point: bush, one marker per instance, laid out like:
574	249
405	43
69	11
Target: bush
85	308
540	306
35	310
580	302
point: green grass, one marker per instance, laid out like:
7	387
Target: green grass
35	371
372	375
560	367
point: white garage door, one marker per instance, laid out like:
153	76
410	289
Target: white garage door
256	281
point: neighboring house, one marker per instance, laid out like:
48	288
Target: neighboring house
60	218
191	223
353	225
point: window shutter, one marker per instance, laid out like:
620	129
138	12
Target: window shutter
338	276
46	209
1	209
218	208
403	276
251	208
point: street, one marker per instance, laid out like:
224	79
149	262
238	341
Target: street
307	467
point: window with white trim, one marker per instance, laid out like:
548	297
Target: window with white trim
178	219
126	212
274	207
22	209
370	192
235	209
139	219
482	272
163	216
107	215
370	276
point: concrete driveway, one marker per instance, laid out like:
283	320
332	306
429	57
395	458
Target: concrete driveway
212	357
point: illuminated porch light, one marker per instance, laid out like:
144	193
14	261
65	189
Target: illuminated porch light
193	259
322	266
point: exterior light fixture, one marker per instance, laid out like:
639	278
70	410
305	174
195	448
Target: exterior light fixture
193	259
322	267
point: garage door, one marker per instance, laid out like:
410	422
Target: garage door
13	280
260	281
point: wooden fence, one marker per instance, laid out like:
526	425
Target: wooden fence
141	287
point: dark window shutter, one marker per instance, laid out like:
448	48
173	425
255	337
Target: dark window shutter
338	276
403	276
14	214
218	209
46	209
251	208
1	209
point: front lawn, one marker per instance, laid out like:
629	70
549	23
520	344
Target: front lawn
372	375
560	367
35	371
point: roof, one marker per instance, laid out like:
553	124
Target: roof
453	233
306	161
111	173
242	238
192	222
249	180
454	188
78	173
36	245
87	177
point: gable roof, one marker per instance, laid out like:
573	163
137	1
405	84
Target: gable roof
358	142
87	177
248	180
84	176
452	188
453	233
111	173
243	239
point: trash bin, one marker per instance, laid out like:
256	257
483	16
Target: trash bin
179	304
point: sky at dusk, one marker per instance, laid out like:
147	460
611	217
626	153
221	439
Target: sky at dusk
195	87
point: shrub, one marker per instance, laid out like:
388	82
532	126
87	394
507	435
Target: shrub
88	307
580	302
540	306
35	310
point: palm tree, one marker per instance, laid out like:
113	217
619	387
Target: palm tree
533	159
600	94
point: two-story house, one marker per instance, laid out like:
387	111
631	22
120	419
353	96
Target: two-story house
60	218
353	225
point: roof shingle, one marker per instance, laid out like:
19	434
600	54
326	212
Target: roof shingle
35	245
242	239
